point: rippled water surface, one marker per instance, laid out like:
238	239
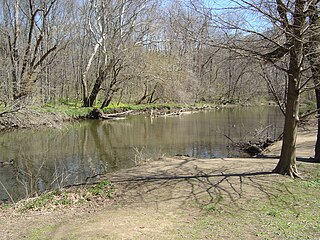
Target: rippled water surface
50	158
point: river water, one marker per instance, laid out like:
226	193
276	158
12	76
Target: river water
74	154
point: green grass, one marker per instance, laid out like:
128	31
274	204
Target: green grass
75	110
279	210
40	233
65	197
39	202
68	110
55	198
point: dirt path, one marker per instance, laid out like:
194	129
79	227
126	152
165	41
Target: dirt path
162	199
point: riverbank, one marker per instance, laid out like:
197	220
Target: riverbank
188	198
55	116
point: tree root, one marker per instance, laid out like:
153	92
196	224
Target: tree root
292	171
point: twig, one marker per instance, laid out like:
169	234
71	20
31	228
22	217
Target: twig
309	113
9	195
230	139
261	131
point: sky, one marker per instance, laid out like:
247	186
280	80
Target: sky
219	3
252	20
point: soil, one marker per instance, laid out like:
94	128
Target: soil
159	199
30	119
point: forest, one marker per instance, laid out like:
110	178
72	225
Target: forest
145	51
94	53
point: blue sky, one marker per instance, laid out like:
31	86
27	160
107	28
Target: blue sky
219	3
253	20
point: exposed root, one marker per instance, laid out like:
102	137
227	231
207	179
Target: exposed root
292	171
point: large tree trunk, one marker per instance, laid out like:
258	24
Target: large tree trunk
89	101
317	146
287	163
312	50
294	33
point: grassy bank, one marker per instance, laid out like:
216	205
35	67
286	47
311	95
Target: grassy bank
288	210
52	115
76	111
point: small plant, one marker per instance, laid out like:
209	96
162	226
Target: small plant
274	213
140	156
103	188
5	206
62	199
210	208
39	202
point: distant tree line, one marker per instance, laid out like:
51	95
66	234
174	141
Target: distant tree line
144	51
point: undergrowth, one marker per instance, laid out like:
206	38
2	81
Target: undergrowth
66	197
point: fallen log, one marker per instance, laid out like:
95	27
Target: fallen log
98	114
177	113
119	114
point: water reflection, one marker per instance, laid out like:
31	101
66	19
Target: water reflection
51	158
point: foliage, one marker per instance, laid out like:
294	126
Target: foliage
67	197
103	189
68	110
75	110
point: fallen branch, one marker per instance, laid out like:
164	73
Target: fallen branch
98	114
307	114
118	114
178	113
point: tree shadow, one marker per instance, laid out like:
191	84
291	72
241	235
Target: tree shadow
201	182
299	159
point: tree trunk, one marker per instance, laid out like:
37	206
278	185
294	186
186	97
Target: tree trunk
85	93
287	163
107	99
106	102
312	50
317	146
89	100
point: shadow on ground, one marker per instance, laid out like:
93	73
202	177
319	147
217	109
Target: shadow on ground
201	181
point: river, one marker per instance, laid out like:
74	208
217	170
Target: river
50	158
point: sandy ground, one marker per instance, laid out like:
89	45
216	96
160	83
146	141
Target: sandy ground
155	200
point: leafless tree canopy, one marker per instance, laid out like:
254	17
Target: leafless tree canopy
97	52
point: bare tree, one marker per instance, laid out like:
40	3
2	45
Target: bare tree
312	52
115	27
281	43
33	39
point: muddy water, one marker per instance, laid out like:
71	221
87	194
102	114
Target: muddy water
77	153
